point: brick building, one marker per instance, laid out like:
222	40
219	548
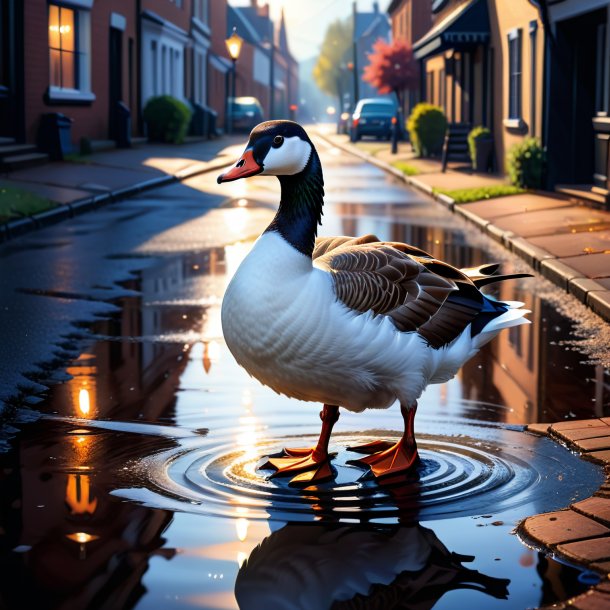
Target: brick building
95	61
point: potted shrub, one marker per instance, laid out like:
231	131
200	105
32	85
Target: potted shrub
480	146
167	119
427	125
526	163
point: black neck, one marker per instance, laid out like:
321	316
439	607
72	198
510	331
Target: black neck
300	210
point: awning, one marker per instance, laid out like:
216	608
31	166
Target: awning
465	27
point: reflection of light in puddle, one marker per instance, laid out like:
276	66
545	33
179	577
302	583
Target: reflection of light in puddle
84	403
236	219
241	527
234	255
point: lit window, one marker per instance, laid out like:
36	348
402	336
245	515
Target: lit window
62	47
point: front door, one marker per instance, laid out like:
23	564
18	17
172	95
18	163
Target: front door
115	89
11	69
575	91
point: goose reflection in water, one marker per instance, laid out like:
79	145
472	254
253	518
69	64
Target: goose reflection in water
349	567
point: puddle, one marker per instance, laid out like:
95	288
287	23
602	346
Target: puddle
140	485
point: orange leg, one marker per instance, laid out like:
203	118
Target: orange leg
311	465
398	458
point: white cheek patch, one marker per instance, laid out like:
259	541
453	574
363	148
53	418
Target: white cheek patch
289	159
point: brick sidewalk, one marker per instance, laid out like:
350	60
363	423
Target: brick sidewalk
581	532
108	176
563	239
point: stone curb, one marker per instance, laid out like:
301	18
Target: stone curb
21	226
579	533
585	290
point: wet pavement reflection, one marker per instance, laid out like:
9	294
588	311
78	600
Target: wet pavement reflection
140	485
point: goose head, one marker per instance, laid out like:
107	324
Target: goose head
275	148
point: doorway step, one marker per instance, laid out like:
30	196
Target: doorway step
15	156
588	193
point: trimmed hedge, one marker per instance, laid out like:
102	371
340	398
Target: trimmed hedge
526	163
167	119
427	125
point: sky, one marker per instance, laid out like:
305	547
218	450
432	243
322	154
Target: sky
307	20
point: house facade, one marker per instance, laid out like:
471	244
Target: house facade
79	59
266	69
576	118
369	27
411	20
525	68
98	62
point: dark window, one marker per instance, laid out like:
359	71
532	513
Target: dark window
533	31
600	68
63	52
514	74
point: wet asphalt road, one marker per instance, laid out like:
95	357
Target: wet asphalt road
57	279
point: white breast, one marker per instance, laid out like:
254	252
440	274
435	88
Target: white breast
284	325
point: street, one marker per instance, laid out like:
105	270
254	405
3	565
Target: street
137	476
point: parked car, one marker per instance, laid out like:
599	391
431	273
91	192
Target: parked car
245	112
372	117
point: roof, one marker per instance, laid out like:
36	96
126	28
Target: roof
366	22
261	24
464	27
235	19
394	4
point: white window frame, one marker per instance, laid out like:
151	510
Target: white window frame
82	93
515	79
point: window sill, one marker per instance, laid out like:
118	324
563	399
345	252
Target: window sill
56	95
516	124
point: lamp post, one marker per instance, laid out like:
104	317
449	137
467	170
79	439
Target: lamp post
233	44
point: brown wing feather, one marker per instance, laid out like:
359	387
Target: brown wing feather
379	277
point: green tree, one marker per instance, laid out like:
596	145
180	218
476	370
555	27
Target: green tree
335	48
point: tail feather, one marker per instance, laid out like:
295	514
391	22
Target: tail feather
479	282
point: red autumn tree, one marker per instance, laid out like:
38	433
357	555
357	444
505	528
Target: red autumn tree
392	68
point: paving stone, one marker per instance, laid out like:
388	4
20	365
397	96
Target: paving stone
591	265
515	204
601	566
599	302
587	551
579	423
542	429
580	287
574	244
562	526
583	433
591	600
558	272
599	456
594	444
594	507
528	251
604	586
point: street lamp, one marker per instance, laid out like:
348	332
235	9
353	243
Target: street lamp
233	44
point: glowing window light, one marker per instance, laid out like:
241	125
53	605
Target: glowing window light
84	401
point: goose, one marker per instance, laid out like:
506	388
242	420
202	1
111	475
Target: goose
356	323
329	565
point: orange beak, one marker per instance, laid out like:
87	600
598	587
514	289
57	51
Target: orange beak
245	167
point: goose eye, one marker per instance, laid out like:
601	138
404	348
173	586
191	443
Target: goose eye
278	141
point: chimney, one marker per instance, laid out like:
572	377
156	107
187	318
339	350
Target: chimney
253	3
376	7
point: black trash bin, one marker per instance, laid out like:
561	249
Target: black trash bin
123	125
55	135
212	119
199	120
